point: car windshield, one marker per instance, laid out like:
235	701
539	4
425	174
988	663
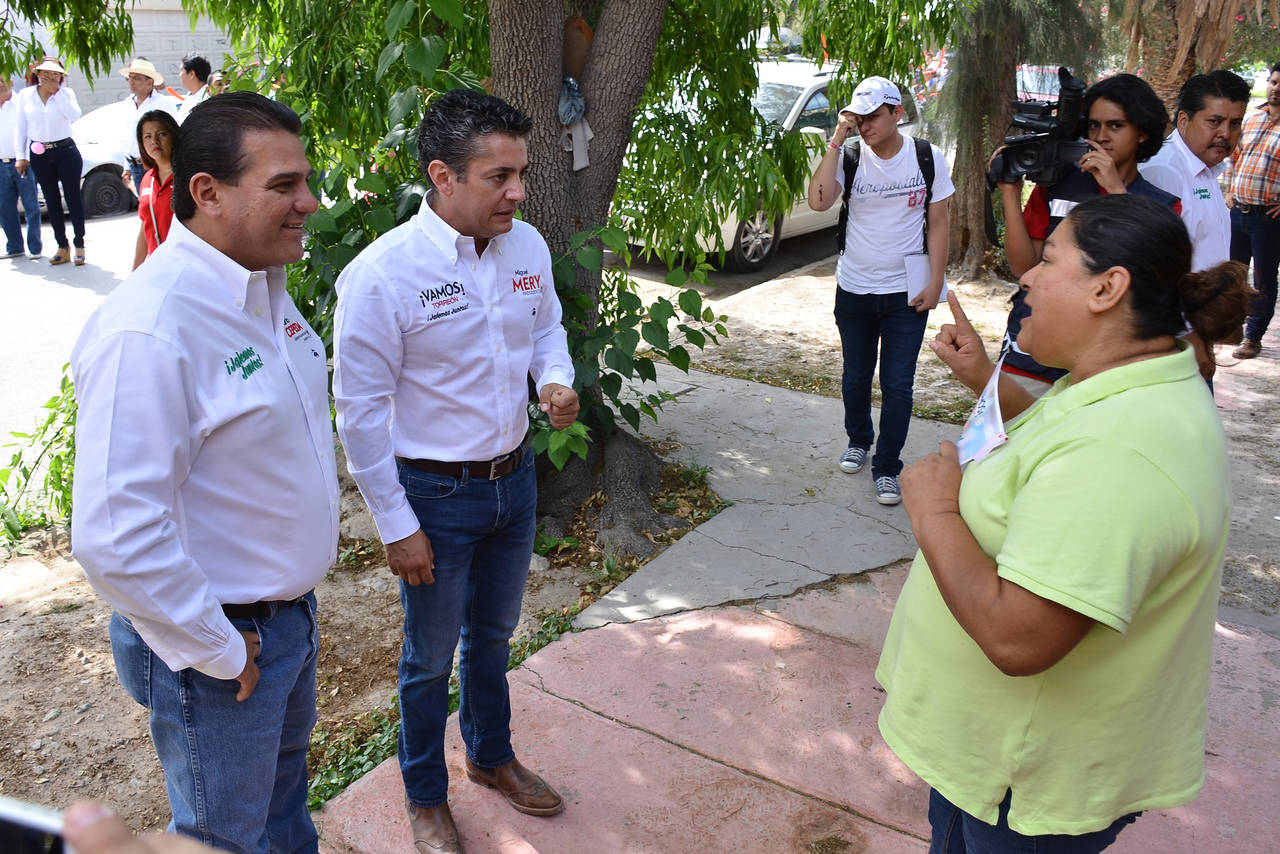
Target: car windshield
775	100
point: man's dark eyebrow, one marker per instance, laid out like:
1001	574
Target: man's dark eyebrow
291	176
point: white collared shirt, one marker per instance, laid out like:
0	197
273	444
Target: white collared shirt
205	469
191	102
154	101
432	349
8	128
43	121
1175	169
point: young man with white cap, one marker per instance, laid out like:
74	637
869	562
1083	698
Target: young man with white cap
894	220
143	80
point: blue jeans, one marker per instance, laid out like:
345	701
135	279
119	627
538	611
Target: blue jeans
236	773
957	832
866	321
1264	241
481	533
61	166
13	187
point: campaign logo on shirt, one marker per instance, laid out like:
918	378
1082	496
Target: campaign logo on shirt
523	283
293	328
444	300
245	362
1202	193
914	189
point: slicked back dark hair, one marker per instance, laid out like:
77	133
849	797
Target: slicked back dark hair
1215	84
199	66
211	140
452	128
1275	66
1141	105
165	118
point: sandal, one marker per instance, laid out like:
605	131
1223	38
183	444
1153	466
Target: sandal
80	257
62	256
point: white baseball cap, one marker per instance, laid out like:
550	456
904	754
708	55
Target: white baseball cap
870	94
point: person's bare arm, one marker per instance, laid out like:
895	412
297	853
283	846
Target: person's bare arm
1020	633
140	248
960	347
823	189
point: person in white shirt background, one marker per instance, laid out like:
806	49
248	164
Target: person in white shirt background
439	325
1208	120
206	487
195	79
42	140
143	97
13	185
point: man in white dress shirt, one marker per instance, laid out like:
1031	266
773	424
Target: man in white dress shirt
440	323
1209	117
205	488
15	185
195	79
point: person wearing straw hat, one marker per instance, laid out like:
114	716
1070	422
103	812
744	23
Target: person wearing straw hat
143	80
43	141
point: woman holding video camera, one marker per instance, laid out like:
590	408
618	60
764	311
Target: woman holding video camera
1047	665
1125	124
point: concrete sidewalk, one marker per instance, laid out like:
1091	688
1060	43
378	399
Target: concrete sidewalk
722	699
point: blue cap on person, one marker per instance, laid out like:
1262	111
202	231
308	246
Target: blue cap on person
870	94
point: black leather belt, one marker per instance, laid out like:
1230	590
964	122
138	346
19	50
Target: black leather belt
1252	209
486	469
7	159
258	610
58	143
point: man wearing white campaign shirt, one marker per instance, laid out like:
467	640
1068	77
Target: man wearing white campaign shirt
1209	117
439	325
15	185
206	496
195	79
895	218
143	98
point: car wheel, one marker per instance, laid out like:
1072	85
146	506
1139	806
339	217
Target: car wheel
104	193
754	243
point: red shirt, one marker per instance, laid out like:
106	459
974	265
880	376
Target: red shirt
154	209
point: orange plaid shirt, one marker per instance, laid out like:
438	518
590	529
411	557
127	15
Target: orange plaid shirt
1255	164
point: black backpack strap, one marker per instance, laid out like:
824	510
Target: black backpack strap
852	155
924	156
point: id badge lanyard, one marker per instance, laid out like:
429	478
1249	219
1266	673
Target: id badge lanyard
984	431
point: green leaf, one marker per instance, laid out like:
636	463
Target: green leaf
402	103
662	311
322	222
679	357
646	370
397	18
611	385
695	337
372	182
616	360
449	11
389	54
381	220
591	258
630	414
655	334
677	277
424	55
629	302
614	238
690	302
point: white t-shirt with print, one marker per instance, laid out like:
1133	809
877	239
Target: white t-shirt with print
886	217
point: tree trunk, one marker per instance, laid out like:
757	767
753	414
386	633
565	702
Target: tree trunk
986	67
1159	50
526	42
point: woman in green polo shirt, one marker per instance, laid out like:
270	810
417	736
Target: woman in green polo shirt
1047	665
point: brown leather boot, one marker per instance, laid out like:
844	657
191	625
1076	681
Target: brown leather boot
524	790
433	830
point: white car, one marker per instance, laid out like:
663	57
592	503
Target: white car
793	94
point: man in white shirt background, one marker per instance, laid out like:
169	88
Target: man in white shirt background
892	210
1209	117
205	485
439	325
195	79
15	185
143	97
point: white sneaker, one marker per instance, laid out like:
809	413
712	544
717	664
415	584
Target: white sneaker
853	459
887	491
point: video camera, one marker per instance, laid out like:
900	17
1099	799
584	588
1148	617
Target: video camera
1052	144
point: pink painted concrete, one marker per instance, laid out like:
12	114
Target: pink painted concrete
626	791
751	691
753	730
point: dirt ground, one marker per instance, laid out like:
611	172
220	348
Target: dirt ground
68	731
